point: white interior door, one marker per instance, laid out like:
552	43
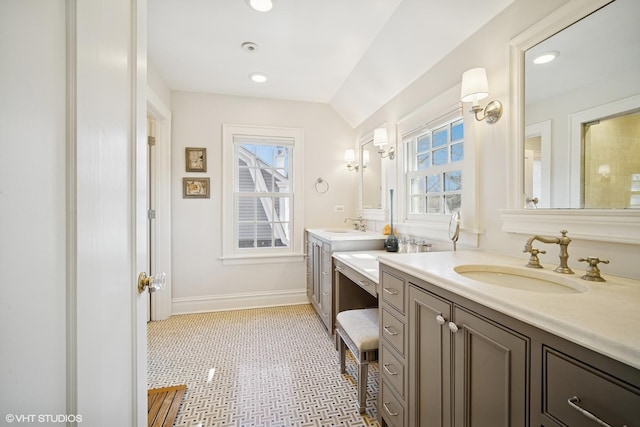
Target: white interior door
160	196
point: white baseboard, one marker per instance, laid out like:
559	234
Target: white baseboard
209	303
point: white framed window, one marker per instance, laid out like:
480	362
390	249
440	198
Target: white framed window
262	203
434	156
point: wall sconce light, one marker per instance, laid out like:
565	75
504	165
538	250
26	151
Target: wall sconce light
350	158
380	140
474	88
605	172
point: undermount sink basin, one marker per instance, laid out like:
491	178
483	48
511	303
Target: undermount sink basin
340	230
523	279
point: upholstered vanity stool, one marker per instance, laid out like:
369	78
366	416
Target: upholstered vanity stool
358	330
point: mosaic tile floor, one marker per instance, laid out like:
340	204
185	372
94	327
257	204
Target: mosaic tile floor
260	367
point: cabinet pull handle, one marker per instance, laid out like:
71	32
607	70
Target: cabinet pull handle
386	408
440	320
573	402
390	291
386	368
388	330
363	283
325	293
453	327
338	268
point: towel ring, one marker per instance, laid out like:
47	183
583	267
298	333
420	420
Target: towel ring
324	186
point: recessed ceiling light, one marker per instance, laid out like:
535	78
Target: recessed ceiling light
546	57
261	5
258	77
249	47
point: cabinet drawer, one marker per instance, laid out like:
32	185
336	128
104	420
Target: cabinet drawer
357	278
392	331
392	410
602	395
392	291
392	370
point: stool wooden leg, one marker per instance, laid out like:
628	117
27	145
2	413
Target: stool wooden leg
363	370
341	351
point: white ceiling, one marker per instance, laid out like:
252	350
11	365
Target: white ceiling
352	54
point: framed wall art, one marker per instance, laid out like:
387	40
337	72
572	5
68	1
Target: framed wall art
196	159
195	188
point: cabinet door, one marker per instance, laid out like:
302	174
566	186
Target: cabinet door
490	373
429	360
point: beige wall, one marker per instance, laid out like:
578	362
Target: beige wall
197	228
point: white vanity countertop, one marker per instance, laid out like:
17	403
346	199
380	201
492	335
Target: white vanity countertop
339	234
364	262
604	318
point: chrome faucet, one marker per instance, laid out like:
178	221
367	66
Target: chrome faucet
563	241
358	223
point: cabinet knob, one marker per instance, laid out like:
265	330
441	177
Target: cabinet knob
440	320
453	327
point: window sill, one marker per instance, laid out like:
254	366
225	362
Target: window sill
262	259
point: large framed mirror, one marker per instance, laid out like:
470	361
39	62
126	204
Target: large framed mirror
575	126
372	180
370	176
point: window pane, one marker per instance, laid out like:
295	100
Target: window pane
440	157
417	185
424	142
246	235
244	179
452	202
433	204
417	204
453	181
264	153
246	209
264	235
441	137
424	161
434	184
457	152
457	131
282	161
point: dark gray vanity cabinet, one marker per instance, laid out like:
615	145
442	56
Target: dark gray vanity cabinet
319	279
447	360
464	370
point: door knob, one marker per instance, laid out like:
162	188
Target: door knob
154	283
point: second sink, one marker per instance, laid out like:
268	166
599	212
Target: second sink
521	279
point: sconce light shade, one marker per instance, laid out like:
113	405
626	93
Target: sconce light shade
474	88
365	157
350	155
380	137
474	85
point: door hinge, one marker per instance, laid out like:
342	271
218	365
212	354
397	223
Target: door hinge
151	140
151	214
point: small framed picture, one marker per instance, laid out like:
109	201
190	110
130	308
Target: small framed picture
195	188
196	159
